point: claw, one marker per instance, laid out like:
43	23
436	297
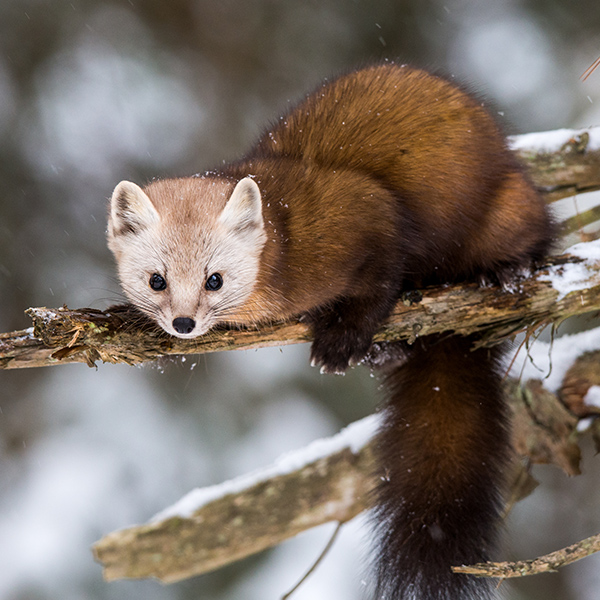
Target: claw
325	371
485	281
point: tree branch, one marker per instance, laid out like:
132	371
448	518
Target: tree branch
63	335
204	535
215	526
548	563
265	509
561	163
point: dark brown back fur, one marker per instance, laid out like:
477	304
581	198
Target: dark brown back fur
382	180
437	150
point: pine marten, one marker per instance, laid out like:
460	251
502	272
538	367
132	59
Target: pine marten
381	180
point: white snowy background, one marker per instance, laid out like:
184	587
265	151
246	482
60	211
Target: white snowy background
94	91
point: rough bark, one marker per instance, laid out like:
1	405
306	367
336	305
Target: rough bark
62	335
336	487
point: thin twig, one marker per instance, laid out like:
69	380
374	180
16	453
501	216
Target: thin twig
548	563
316	563
590	69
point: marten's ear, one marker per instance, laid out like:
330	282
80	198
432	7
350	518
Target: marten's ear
243	209
130	210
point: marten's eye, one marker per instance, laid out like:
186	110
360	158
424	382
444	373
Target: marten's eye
214	282
157	282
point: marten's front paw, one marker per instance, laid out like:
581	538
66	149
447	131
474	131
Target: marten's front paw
508	277
334	351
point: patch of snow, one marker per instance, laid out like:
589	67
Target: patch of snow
573	277
551	361
592	398
587	250
27	335
584	424
567	278
552	141
354	437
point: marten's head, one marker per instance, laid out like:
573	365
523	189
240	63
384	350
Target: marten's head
187	250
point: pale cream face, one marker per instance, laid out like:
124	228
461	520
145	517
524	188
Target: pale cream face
182	258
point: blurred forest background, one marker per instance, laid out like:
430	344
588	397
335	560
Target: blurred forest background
95	91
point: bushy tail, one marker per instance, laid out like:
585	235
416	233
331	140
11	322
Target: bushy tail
442	452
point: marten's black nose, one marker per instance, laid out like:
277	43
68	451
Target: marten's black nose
184	325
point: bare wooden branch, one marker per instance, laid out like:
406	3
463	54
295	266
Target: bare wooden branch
63	335
548	563
559	169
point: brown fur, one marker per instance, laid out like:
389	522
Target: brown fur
380	180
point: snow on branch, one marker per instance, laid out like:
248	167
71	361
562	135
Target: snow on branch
561	163
329	480
332	480
568	285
